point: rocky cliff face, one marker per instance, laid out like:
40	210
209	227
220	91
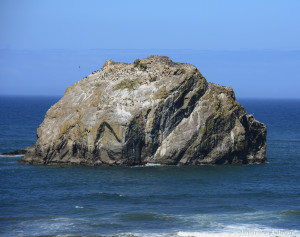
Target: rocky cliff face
151	111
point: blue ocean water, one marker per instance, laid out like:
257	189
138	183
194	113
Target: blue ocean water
211	200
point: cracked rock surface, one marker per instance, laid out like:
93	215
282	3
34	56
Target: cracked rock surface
151	111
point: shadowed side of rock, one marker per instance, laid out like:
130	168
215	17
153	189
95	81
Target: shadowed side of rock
150	111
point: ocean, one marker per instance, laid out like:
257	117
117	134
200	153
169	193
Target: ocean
208	200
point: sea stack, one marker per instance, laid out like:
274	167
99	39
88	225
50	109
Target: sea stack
151	111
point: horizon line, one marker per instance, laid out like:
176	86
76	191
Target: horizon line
166	49
237	98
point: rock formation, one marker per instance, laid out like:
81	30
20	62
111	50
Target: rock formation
19	152
150	111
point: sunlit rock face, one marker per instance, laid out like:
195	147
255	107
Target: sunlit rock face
150	111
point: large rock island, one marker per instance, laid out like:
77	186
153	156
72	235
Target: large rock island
150	111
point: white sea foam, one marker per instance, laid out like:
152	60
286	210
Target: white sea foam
44	227
220	229
63	224
143	235
61	219
243	230
9	156
79	207
239	232
152	164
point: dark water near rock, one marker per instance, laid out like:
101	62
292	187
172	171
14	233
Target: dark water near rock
231	200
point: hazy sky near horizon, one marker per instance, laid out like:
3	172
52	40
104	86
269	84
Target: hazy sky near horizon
252	46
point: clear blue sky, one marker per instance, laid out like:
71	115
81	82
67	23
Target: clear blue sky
155	24
211	30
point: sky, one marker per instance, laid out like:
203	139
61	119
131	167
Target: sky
252	46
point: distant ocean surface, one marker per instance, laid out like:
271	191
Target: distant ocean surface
210	200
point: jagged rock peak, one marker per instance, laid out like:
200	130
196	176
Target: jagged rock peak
151	111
